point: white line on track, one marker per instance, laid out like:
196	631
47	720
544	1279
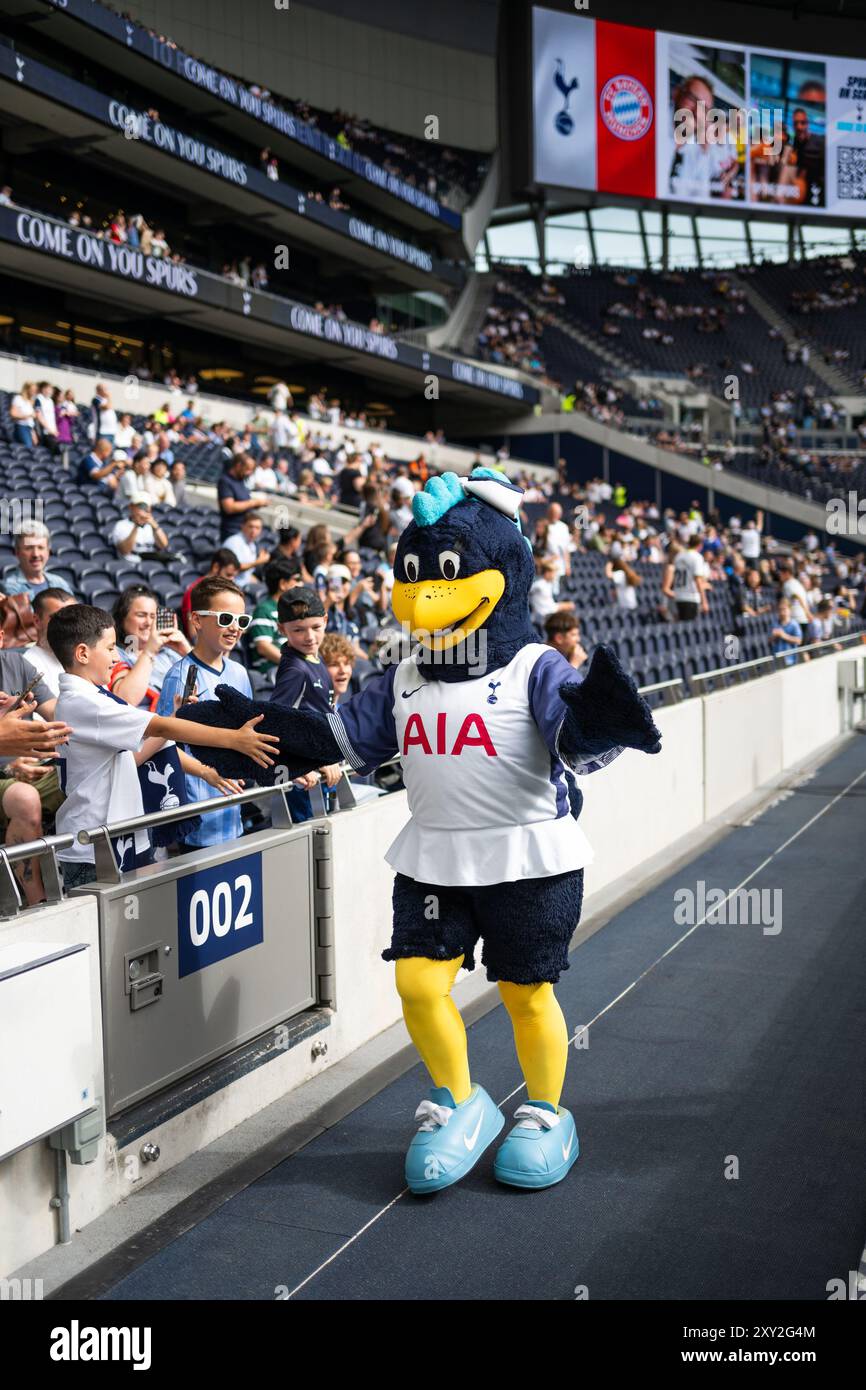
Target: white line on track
628	989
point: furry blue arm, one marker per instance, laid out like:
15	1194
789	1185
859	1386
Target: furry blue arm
360	732
604	714
306	739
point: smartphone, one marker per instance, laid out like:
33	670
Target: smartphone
31	685
166	620
189	687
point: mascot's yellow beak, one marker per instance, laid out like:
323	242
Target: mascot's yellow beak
441	612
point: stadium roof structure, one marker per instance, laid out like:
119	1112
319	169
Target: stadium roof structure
126	47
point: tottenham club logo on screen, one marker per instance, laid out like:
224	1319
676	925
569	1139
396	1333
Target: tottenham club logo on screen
564	121
626	107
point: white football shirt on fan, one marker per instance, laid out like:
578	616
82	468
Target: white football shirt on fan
796	596
688	566
97	769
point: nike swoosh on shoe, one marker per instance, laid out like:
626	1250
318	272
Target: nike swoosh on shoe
470	1142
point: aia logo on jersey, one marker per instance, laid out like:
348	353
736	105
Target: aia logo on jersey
471	734
626	107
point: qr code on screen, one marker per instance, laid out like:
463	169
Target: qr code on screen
850	172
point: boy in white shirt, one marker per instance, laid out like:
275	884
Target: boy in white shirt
99	765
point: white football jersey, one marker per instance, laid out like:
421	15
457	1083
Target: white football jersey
486	785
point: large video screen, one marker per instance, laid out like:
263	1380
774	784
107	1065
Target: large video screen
647	114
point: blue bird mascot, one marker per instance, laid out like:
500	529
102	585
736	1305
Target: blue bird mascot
489	724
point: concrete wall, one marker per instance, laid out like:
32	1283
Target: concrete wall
716	751
27	1224
638	806
786	716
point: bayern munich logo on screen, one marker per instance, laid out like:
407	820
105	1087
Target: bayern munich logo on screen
626	107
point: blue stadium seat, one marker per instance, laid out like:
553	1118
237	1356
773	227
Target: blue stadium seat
95	581
102	598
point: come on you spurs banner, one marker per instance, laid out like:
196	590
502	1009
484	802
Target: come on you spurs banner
647	114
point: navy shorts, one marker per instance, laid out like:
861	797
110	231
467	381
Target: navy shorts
526	926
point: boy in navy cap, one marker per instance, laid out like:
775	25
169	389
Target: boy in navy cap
302	680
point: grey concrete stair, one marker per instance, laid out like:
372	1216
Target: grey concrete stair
834	379
595	343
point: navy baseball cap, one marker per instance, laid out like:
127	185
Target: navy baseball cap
299	603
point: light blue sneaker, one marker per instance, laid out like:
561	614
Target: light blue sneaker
540	1149
451	1138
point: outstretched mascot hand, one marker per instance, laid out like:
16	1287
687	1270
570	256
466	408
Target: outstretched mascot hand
306	741
605	711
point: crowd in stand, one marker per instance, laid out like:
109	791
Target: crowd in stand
609	403
42	414
511	336
786	412
310	612
843	291
818	590
134	232
293	459
444	172
651	306
513	333
300	603
335	200
247	272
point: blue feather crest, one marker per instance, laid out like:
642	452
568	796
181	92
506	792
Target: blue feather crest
439	496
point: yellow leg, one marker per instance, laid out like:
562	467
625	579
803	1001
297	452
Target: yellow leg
434	1021
540	1036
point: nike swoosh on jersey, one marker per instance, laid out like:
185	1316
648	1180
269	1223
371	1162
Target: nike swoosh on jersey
471	1140
407	693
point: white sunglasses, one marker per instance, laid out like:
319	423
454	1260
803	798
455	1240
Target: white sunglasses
243	620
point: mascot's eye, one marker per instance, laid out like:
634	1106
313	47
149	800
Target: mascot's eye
411	567
449	563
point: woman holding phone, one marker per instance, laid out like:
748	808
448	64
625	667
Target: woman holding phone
146	651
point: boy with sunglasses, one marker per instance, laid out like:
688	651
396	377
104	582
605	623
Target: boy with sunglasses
218	617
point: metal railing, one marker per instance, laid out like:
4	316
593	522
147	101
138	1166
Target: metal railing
672	692
778	660
281	818
45	850
47	847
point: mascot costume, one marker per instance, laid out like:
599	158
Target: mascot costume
489	724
